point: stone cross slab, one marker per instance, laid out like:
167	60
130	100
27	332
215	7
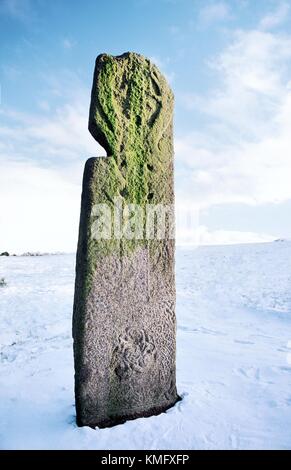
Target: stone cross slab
124	325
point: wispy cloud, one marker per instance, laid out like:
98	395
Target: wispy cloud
68	43
242	154
52	133
214	12
61	136
42	157
21	10
275	18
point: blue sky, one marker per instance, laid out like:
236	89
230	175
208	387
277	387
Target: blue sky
229	64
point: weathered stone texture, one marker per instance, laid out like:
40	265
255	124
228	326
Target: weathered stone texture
124	325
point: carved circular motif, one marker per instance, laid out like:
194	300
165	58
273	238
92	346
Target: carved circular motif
134	352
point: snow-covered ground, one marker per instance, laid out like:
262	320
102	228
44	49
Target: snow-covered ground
233	364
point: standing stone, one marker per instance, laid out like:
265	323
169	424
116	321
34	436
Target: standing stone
124	324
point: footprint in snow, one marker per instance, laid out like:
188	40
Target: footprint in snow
249	373
243	342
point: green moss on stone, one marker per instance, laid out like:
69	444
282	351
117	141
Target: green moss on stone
131	117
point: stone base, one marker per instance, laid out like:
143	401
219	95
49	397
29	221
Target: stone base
122	419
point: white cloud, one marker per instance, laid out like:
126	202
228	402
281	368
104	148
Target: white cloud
62	135
243	155
214	12
68	43
229	237
275	18
254	62
42	158
39	209
190	232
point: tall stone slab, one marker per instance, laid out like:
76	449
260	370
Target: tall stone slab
124	325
